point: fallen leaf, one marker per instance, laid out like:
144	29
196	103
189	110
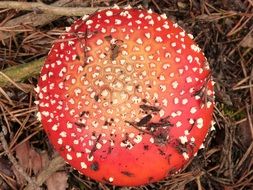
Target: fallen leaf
247	41
244	134
57	181
22	154
36	161
30	159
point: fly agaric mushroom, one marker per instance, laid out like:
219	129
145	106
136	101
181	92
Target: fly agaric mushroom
126	96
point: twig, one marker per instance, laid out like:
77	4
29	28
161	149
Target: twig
243	87
29	18
20	72
198	182
54	165
15	163
240	82
32	19
49	9
240	24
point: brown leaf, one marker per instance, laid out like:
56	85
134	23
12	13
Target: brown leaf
30	159
57	181
22	154
243	132
247	41
36	161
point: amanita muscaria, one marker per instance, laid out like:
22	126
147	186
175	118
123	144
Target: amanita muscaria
126	96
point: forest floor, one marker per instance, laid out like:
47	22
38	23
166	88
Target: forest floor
223	29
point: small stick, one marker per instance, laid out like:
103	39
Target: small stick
49	9
33	19
20	72
198	183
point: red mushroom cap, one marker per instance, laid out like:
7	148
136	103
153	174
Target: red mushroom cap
126	96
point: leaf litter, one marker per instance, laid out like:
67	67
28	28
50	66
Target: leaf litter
223	29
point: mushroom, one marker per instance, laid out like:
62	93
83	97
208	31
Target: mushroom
126	96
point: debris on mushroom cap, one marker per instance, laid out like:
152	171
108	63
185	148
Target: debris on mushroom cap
126	96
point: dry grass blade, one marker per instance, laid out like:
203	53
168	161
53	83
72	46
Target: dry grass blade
8	180
249	117
238	84
6	96
240	23
245	156
243	87
251	84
